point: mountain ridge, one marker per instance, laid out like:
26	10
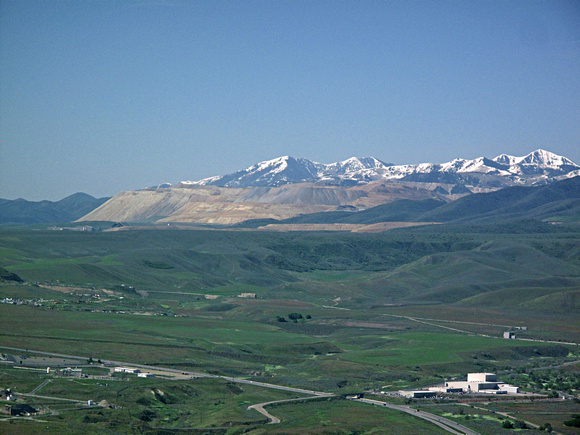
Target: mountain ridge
73	207
539	166
286	187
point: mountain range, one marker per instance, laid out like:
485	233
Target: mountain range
300	191
537	167
285	188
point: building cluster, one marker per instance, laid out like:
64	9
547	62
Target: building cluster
19	409
247	295
67	372
12	301
483	383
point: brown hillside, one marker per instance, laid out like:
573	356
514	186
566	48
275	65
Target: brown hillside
222	205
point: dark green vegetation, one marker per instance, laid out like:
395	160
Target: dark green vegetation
73	207
401	309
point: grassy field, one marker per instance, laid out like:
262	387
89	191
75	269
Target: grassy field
339	313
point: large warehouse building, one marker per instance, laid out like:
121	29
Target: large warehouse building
477	383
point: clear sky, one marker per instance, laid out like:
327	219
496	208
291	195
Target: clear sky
109	95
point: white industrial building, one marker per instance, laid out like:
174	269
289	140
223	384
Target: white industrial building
417	394
127	370
477	383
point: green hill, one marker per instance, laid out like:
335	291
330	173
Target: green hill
448	265
507	272
557	200
397	211
71	208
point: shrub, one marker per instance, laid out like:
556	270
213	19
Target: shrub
147	415
575	422
507	424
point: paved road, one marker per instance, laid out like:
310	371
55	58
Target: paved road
260	408
50	397
442	422
277	387
423	320
275	420
37	389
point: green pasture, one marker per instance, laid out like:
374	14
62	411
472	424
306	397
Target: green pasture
344	417
407	349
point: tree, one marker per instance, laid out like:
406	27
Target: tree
294	316
520	424
507	424
575	422
147	415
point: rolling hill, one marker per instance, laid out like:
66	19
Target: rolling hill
71	208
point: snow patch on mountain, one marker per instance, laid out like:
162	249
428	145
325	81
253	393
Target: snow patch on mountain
539	166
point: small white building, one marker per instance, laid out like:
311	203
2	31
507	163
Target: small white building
417	394
247	295
509	388
146	375
127	370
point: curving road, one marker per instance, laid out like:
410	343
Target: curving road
275	420
260	408
442	422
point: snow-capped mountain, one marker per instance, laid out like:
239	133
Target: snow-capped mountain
288	170
537	167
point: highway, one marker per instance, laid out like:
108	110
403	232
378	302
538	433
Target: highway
442	422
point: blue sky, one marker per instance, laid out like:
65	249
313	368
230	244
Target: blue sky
104	96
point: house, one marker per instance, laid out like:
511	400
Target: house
509	335
6	394
20	409
247	295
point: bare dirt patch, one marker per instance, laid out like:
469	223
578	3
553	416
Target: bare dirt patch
274	303
355	228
